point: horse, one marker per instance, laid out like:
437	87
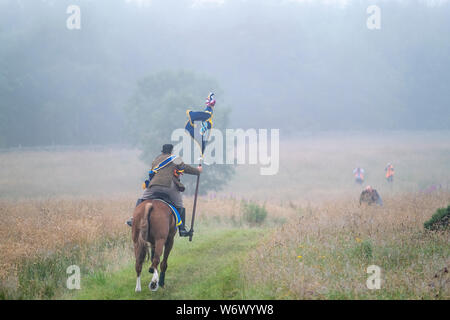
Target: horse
153	222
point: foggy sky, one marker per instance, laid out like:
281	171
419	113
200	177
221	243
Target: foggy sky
294	65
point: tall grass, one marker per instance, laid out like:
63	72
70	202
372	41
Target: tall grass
325	252
41	238
64	207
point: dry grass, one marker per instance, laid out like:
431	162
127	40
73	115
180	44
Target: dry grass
31	230
55	172
68	205
332	239
228	210
324	253
37	229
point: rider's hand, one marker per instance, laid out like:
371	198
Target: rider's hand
200	169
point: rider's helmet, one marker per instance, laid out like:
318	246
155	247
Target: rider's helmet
368	188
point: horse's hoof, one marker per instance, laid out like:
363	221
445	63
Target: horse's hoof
151	270
153	286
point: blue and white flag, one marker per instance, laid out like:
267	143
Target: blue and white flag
200	123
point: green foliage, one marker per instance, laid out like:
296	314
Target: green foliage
363	250
253	213
439	220
366	249
158	107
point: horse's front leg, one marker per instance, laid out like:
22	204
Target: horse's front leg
167	249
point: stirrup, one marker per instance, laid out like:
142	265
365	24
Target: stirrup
183	232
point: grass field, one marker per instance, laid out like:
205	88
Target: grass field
324	253
60	207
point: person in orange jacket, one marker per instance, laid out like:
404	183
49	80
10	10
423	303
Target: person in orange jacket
389	172
359	175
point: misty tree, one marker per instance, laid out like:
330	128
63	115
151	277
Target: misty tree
158	107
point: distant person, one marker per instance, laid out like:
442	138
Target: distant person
359	175
370	196
389	172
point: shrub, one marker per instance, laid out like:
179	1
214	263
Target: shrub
253	213
362	250
367	249
439	220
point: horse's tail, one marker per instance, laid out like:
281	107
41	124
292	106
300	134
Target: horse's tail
144	230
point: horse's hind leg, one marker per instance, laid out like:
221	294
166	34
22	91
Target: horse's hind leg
140	238
151	259
167	249
140	256
140	251
159	245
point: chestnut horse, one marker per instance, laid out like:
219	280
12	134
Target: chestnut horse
153	222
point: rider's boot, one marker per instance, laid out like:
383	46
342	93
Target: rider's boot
130	222
181	228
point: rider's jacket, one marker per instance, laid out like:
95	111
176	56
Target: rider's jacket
170	172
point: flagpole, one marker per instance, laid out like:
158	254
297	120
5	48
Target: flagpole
210	102
191	232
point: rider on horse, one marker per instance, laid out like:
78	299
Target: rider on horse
165	180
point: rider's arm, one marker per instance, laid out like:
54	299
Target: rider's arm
185	167
191	170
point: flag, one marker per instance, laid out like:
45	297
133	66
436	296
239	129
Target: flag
199	127
200	123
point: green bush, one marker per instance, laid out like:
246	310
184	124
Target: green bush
439	220
367	249
253	213
362	250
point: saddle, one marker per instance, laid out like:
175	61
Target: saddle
161	196
166	199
